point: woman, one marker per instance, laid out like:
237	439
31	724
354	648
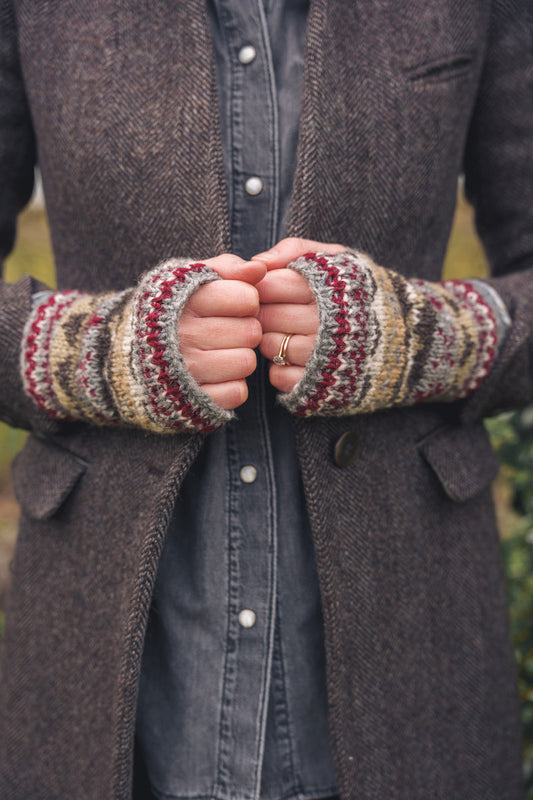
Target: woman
152	149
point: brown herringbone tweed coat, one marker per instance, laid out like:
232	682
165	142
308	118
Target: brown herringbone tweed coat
116	100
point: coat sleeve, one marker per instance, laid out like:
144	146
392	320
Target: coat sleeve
17	162
499	184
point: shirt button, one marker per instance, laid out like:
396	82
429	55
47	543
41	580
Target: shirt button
247	54
248	474
254	185
247	618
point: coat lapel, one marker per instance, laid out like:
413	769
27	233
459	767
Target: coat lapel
338	183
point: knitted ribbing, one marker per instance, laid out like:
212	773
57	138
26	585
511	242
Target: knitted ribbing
387	341
114	359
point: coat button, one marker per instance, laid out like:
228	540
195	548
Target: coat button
346	449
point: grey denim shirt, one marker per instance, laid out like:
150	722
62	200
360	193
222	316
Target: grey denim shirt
232	699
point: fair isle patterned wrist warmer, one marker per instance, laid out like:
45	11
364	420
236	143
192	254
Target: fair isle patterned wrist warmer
387	341
114	359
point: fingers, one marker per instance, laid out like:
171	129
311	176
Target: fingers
287	306
218	366
284	286
285	378
227	298
216	333
289	318
288	250
228	395
233	268
299	348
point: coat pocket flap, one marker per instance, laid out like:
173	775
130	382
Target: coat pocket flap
43	477
462	458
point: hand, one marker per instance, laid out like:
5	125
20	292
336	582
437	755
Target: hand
288	306
218	330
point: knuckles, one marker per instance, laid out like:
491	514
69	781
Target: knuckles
230	297
247	300
237	394
253	333
285	378
246	362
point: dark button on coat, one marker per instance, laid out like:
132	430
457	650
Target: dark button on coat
346	449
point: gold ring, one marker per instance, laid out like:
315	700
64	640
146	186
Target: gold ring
281	359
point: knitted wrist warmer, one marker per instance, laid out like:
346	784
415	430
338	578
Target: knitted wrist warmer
114	359
387	341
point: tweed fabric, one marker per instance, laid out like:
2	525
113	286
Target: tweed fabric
384	341
398	99
115	358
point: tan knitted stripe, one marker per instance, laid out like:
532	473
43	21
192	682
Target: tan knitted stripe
123	382
65	350
91	384
421	323
387	367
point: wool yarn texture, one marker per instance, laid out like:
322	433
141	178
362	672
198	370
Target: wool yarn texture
386	341
114	359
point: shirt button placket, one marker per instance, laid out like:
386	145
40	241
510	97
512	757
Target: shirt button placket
247	54
253	609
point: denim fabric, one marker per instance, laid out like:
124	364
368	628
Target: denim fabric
227	711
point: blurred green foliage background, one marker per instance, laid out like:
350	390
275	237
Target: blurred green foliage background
512	436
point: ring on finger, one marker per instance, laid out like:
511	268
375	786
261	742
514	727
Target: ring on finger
281	359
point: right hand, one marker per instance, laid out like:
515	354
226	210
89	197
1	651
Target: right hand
218	330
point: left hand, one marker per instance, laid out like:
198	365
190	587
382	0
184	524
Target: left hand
288	306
